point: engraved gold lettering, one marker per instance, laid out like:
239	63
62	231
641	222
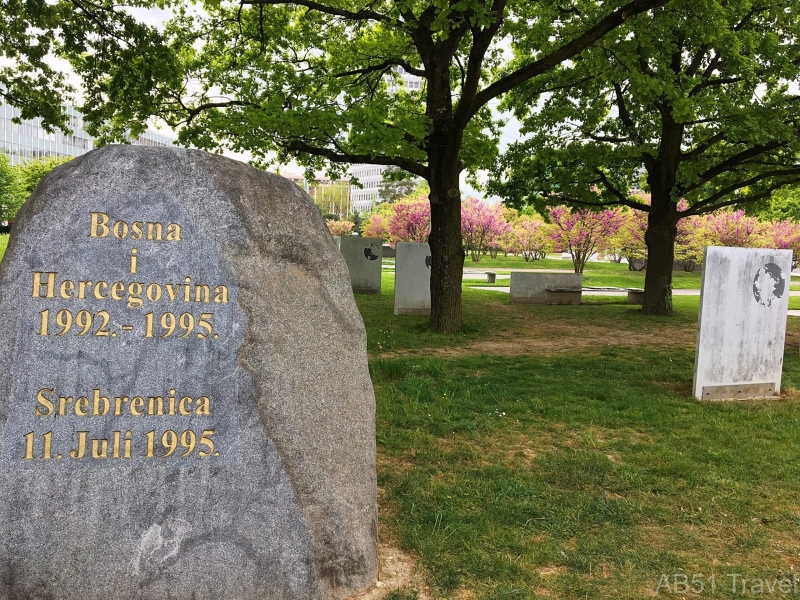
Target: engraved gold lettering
155	406
62	405
82	285
80	449
136	228
221	294
102	450
137	406
182	407
115	444
134	260
154	231
172	290
99	225
154	292
67	288
97	287
50	286
45	399
171	412
202	293
120	230
127	450
135	294
173	232
186	296
101	405
118	402
117	288
203	406
82	406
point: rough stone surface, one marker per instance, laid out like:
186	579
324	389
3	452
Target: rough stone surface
742	323
284	507
531	288
412	279
364	259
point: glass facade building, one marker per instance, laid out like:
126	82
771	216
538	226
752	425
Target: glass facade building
28	140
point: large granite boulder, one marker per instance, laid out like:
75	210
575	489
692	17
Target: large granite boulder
185	406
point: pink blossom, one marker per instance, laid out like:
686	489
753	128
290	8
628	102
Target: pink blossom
583	232
410	220
339	227
377	226
482	225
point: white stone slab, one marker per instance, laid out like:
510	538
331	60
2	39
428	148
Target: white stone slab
363	256
412	279
742	324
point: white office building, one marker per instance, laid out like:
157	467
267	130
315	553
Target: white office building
28	140
365	198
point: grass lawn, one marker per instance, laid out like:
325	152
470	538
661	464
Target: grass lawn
556	452
3	244
596	274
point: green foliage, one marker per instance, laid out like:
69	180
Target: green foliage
93	37
32	172
695	96
783	205
397	184
11	193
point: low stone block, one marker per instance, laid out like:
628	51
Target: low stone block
528	287
636	297
562	296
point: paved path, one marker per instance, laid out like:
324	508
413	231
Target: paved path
607	292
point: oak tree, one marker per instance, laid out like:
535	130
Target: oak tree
320	82
696	98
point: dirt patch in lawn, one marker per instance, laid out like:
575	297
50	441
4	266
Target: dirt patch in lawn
538	336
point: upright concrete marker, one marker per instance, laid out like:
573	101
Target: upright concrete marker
742	323
412	279
185	406
364	258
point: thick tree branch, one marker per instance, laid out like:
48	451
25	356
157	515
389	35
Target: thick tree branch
730	163
565	52
711	201
481	40
570	200
389	62
742	200
354	15
702	147
345	157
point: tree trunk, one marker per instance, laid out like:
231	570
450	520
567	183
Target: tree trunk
660	239
447	256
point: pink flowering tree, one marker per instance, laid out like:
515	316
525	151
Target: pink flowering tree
583	232
733	228
482	226
339	227
783	235
534	237
628	241
409	220
376	226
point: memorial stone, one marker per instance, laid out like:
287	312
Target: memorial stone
185	407
364	259
530	287
412	279
744	300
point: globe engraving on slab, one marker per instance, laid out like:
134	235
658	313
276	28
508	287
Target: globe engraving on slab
768	284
